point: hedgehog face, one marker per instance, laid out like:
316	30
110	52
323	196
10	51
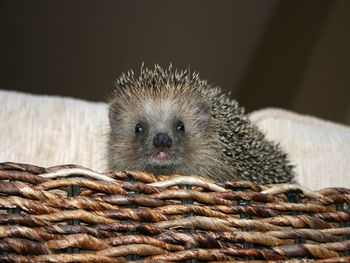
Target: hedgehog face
158	134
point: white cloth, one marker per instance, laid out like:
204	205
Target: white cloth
51	130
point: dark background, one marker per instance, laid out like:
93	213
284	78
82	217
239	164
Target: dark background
288	54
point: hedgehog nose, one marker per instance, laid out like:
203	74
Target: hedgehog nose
162	140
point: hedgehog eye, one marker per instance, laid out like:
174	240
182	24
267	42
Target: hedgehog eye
138	129
180	126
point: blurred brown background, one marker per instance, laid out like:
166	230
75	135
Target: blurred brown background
289	54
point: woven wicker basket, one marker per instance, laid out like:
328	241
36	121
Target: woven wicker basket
72	214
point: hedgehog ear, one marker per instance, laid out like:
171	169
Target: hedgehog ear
204	113
114	116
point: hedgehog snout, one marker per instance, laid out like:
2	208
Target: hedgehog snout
162	140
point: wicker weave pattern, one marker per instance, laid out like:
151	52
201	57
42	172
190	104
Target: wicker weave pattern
72	214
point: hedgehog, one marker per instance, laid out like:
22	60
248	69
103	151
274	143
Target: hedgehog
165	121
